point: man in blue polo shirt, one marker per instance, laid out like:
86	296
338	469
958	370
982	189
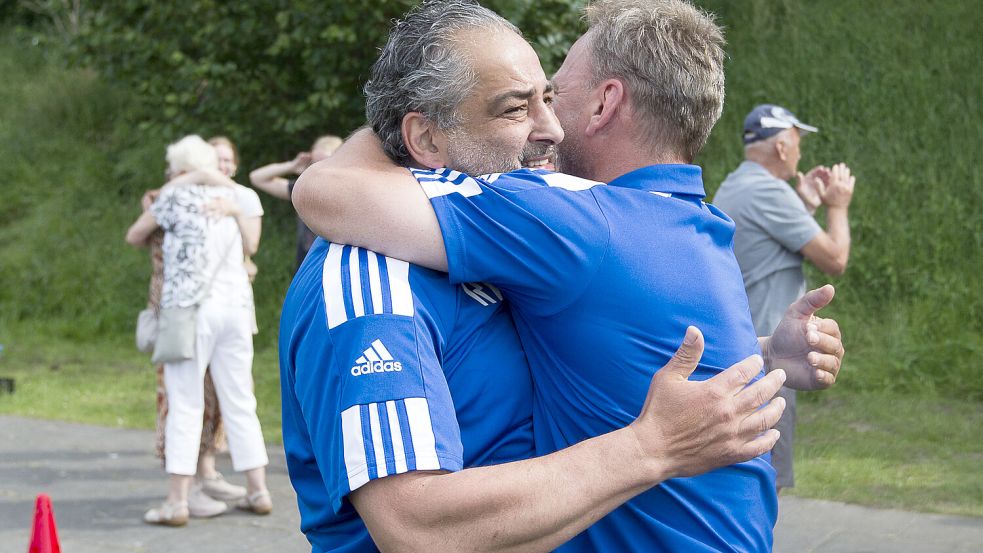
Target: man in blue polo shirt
603	279
393	381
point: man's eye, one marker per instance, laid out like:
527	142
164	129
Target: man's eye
515	110
548	100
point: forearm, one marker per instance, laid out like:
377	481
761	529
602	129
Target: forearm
141	229
250	228
270	179
532	505
838	229
358	183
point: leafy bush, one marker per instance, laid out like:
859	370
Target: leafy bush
274	75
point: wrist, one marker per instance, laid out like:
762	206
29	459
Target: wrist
765	344
655	467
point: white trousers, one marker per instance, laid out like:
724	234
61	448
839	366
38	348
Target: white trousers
224	342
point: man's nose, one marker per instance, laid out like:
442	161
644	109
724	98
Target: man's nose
546	127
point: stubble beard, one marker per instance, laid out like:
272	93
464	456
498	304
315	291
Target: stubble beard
475	157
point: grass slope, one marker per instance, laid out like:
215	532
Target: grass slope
894	88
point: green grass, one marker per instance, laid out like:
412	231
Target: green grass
891	450
107	383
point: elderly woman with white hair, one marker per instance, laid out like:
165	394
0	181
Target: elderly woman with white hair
203	269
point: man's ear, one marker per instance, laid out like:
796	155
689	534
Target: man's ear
781	149
607	100
425	144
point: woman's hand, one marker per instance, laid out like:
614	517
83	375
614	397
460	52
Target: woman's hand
223	207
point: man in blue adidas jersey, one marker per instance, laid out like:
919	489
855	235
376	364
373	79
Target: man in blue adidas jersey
393	379
603	279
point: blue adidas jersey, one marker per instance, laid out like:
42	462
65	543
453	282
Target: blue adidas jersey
385	368
603	281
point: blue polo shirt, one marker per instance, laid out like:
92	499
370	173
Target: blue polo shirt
603	281
386	368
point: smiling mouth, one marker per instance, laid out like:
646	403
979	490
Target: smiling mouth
547	162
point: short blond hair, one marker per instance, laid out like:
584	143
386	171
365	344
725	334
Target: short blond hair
670	55
328	142
191	153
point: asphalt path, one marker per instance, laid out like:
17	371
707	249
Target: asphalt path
102	479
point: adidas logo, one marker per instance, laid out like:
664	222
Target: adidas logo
376	359
483	293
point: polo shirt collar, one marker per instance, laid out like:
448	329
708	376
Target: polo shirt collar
665	178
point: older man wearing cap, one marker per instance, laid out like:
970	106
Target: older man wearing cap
775	230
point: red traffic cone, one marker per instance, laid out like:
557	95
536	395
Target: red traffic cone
44	538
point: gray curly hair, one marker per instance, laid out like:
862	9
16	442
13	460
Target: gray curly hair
420	69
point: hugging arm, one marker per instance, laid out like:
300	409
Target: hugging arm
685	428
359	196
141	229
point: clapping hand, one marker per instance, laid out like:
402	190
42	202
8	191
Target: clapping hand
839	190
301	162
812	185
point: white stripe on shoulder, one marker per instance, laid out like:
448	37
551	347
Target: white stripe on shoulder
334	292
351	431
355	275
335	279
442	182
569	182
399	286
421	432
375	283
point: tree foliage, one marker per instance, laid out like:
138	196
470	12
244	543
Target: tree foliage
271	74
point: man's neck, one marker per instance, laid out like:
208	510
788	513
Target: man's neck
773	166
620	159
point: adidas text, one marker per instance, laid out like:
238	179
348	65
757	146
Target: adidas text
377	367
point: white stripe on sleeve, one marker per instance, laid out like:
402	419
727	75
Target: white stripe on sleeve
380	454
397	434
421	431
351	431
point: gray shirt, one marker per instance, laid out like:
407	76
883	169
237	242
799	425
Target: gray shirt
772	226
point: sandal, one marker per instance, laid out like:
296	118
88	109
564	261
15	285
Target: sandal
217	488
168	514
260	503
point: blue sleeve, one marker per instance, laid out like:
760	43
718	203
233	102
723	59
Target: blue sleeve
539	236
367	380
